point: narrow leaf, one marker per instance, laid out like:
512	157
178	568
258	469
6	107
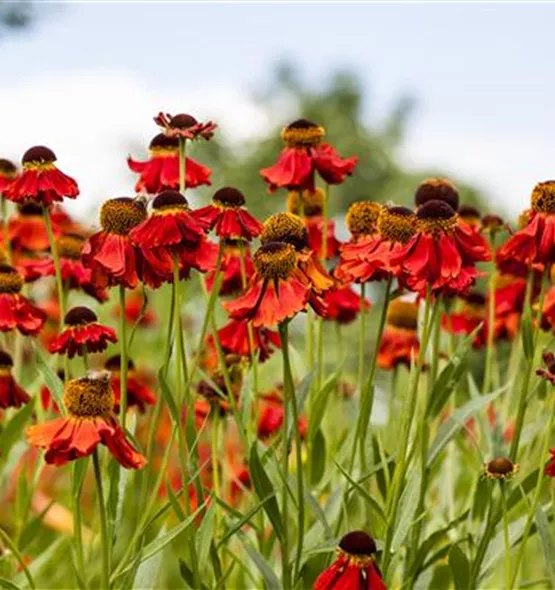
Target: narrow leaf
408	505
168	397
548	544
460	568
319	407
12	432
52	381
270	578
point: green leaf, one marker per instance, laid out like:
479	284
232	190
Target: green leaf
204	535
548	544
450	376
408	505
457	421
460	568
482	498
264	488
527	331
9	585
319	406
168	397
12	432
79	471
51	380
317	458
243	520
270	578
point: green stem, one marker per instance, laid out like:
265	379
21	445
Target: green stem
215	412
78	528
57	268
104	539
506	537
123	358
361	338
490	350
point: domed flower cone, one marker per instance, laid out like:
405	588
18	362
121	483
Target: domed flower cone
12	395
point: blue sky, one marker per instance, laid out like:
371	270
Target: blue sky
88	78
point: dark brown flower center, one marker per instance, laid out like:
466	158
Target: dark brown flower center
397	224
119	216
543	197
436	217
170	200
500	466
89	397
70	246
6	361
38	154
7	168
302	133
275	260
437	189
362	218
229	197
78	316
10	279
182	121
492	222
164	142
114	364
30	209
358	543
284	227
402	314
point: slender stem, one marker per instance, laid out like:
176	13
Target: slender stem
324	254
123	358
181	353
490	350
215	413
6	233
506	538
286	573
182	165
104	540
310	339
78	528
57	268
291	399
361	338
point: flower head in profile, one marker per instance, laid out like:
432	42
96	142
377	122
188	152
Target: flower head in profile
500	468
82	334
368	255
139	390
16	311
437	189
533	246
304	154
355	567
90	421
442	254
161	171
110	253
185	126
27	229
231	267
8	173
344	305
40	180
549	372
399	344
234	338
228	216
12	395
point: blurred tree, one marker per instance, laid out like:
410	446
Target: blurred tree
15	14
338	106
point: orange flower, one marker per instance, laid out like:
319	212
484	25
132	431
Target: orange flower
399	344
16	311
12	394
139	392
234	338
8	173
343	305
90	421
471	314
232	279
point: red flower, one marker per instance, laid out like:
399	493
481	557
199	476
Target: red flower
399	343
533	245
109	253
437	189
185	126
343	305
379	233
277	289
40	180
139	392
442	254
354	568
27	229
90	421
232	280
16	311
468	318
234	338
315	236
11	394
8	173
550	467
304	155
82	334
137	310
74	274
510	293
47	398
548	311
270	416
229	216
161	171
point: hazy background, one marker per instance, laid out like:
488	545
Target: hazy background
467	91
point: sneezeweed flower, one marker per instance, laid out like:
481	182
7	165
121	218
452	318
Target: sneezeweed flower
470	314
82	334
8	173
228	216
355	567
492	224
234	339
399	343
110	253
534	244
343	305
270	415
470	214
368	256
184	126
16	311
510	294
74	274
139	391
437	189
12	395
548	311
305	154
27	230
362	219
230	267
550	467
442	255
90	420
500	468
277	290
40	179
549	372
161	171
